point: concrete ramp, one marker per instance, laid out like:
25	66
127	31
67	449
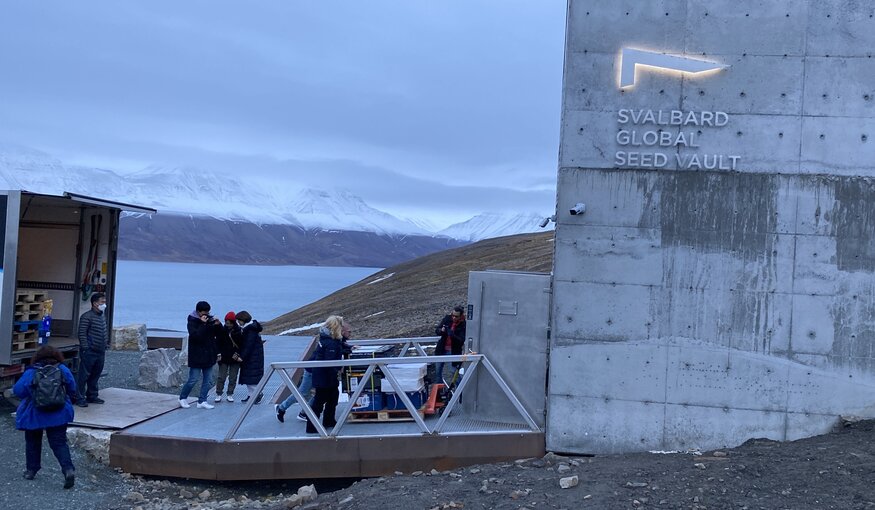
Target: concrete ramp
124	408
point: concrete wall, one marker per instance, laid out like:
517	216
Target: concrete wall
696	307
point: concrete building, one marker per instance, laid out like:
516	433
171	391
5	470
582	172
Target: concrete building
719	285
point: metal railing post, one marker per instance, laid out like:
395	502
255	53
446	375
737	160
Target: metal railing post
355	395
507	391
457	393
249	404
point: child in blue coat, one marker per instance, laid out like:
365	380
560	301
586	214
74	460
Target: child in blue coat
33	421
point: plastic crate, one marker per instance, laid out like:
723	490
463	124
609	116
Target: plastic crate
391	401
368	401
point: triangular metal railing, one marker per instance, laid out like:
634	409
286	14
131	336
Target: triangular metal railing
473	362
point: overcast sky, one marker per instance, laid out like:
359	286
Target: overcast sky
437	109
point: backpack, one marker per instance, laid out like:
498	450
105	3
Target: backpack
48	390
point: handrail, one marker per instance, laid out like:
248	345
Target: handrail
473	361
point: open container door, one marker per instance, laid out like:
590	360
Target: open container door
10	203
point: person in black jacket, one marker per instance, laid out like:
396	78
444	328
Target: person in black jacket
252	352
230	342
203	329
93	342
452	332
330	347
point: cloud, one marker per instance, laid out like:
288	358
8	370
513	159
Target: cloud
458	97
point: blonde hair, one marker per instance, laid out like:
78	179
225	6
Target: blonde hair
334	325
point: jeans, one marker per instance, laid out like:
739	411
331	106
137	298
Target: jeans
325	405
90	368
57	436
229	371
206	375
305	387
439	372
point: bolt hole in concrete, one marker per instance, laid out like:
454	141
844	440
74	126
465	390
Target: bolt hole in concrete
864	138
780	135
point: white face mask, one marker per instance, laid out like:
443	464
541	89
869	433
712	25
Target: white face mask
102	307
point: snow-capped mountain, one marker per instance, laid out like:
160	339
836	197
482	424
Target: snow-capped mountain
488	225
187	190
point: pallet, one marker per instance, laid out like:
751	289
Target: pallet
30	296
26	306
385	415
24	346
27	315
30	335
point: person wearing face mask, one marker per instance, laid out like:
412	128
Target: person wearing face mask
93	342
252	352
452	333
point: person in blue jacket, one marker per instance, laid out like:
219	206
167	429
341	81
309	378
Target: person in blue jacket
34	421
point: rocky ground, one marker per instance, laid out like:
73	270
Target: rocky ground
836	470
831	471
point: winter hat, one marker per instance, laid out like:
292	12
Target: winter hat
230	316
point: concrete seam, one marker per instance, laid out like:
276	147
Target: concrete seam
785	412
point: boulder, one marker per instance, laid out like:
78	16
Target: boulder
183	354
132	337
93	441
160	368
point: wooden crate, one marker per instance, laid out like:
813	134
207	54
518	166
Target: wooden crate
31	296
383	416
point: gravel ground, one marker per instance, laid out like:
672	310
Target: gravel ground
100	487
832	471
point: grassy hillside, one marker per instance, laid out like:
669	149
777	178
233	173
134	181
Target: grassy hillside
418	293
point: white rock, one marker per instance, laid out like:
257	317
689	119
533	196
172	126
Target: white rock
569	482
307	493
161	368
132	337
94	442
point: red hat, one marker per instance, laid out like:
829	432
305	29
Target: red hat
230	316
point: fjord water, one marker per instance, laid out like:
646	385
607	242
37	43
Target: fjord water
162	294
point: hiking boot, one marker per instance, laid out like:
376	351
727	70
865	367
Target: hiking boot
244	399
230	398
95	400
69	479
183	403
29	475
205	405
218	398
280	414
82	403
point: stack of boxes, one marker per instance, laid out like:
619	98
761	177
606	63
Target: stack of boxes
411	378
382	396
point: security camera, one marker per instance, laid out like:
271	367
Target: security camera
546	221
579	208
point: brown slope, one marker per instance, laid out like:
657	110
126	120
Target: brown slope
421	291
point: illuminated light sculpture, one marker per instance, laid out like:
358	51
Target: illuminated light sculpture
631	58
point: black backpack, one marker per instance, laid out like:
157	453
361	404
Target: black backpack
48	390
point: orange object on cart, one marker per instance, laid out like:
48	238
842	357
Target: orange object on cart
432	404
